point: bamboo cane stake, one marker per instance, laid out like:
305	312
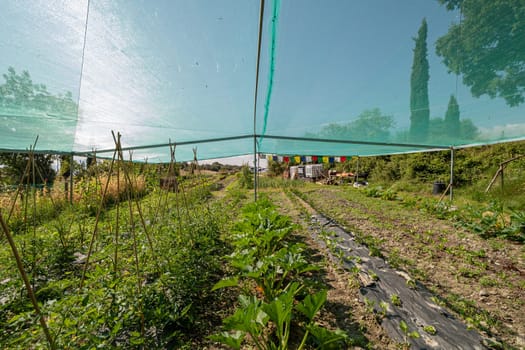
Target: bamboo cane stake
26	173
177	201
129	194
131	197
26	282
95	229
117	223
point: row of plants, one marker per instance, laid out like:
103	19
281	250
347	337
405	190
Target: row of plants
468	264
486	219
280	297
138	274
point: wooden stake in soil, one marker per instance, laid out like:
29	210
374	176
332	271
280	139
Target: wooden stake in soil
26	282
501	168
117	223
95	230
129	192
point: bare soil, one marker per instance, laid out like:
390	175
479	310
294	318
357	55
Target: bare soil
343	309
482	281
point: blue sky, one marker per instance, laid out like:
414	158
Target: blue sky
185	69
335	59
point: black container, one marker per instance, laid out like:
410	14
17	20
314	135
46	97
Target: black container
439	187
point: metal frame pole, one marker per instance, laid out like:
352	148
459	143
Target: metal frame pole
451	185
255	167
71	167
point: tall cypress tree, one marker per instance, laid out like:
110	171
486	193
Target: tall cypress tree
419	110
452	125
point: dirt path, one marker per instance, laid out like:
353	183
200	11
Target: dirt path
343	309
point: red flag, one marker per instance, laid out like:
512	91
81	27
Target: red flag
343	159
286	159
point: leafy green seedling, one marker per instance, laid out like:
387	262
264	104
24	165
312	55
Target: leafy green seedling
373	276
430	330
369	305
395	299
403	326
411	284
384	308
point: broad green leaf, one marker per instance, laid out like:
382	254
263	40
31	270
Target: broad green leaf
227	282
312	304
327	339
233	340
404	327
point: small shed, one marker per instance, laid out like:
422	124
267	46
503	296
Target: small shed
313	171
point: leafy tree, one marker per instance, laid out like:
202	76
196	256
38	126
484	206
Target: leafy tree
468	130
14	166
452	118
18	92
370	125
419	110
487	47
439	131
276	168
451	129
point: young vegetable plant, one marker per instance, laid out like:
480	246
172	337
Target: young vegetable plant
264	258
404	328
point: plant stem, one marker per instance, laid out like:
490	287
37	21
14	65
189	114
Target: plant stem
303	342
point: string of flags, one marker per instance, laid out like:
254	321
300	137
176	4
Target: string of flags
306	159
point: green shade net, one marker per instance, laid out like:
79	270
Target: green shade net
364	74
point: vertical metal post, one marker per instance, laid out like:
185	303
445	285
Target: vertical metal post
71	168
451	185
357	172
255	170
255	167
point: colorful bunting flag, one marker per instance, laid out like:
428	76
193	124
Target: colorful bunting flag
305	159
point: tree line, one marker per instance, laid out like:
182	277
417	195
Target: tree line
490	61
